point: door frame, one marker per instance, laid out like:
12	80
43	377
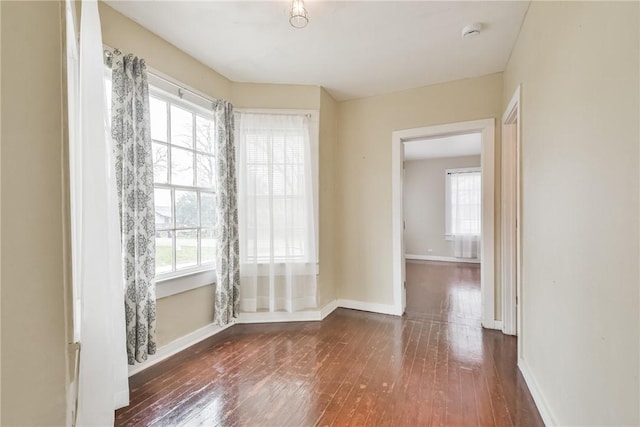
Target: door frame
511	257
487	258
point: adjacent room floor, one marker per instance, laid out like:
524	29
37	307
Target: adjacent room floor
434	366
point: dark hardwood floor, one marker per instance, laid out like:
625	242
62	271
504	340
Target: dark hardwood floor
434	366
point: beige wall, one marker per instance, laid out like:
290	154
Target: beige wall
118	31
258	95
364	157
33	314
183	313
424	204
327	195
578	63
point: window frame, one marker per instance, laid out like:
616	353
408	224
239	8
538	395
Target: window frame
197	110
182	280
448	234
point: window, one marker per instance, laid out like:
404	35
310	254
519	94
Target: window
184	176
463	202
277	188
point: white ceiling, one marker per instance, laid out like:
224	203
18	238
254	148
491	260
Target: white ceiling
352	48
447	146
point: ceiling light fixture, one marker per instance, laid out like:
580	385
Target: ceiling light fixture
298	17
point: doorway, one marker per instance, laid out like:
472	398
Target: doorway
486	129
442	213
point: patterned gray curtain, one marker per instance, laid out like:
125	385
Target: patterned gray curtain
227	303
130	128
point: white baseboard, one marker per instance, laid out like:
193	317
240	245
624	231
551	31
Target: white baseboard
328	309
536	393
492	324
177	346
250	305
283	316
441	258
369	306
279	316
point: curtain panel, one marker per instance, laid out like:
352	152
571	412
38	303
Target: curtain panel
134	176
227	298
99	325
278	252
465	192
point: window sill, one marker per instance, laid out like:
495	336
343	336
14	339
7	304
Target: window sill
167	286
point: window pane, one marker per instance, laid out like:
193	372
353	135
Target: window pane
186	248
160	163
295	180
295	150
278	148
181	127
204	134
208	209
162	202
466	200
206	170
208	246
186	209
181	167
158	112
164	251
257	181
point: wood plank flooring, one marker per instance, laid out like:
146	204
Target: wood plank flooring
434	366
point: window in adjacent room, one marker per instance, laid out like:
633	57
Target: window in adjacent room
463	202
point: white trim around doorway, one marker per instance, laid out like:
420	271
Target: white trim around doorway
487	275
511	256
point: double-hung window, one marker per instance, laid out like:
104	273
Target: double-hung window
463	202
184	179
182	133
277	165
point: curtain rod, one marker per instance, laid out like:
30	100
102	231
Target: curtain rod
158	75
182	88
274	112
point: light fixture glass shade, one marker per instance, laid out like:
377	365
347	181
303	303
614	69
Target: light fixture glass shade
298	17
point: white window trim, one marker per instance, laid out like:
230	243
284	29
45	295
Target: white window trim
314	140
176	282
183	281
447	195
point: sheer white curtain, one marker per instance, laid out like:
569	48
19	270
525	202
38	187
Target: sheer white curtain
465	192
97	272
276	212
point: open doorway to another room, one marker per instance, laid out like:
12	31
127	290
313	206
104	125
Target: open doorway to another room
442	206
441	235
